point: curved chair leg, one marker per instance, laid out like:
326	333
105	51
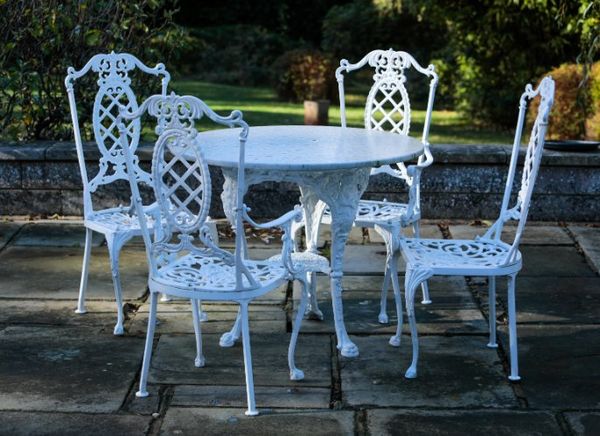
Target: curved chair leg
143	392
512	330
84	271
248	360
312	308
390	249
114	249
395	340
228	339
295	373
199	361
492	312
383	316
413	278
424	285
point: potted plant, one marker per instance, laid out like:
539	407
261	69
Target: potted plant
307	76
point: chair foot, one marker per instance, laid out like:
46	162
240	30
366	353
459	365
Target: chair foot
314	314
514	378
227	340
426	302
165	298
296	374
203	316
80	311
251	413
411	373
383	318
141	394
492	345
199	362
118	330
349	350
394	341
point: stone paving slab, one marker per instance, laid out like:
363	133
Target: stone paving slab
7	231
189	421
66	369
453	310
454	372
554	261
173	361
585	423
55	235
367	259
559	366
532	235
177	318
588	239
450	423
101	314
299	397
71	424
54	273
568	300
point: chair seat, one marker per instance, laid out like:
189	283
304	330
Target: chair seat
116	220
198	273
372	212
458	256
306	261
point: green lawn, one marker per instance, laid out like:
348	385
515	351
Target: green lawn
261	107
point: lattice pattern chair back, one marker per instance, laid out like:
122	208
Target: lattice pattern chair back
181	182
388	104
531	164
114	90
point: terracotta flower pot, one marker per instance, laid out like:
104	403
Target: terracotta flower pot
316	112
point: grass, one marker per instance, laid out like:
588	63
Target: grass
261	107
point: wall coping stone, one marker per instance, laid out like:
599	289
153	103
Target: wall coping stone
442	153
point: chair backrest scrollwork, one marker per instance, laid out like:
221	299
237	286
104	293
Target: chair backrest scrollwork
388	106
181	182
531	163
114	90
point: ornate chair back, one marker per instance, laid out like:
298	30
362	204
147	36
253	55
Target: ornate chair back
114	84
182	185
388	104
531	164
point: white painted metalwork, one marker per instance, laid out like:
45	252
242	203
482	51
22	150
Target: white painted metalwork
118	224
330	164
487	255
388	109
184	265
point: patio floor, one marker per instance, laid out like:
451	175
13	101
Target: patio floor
63	373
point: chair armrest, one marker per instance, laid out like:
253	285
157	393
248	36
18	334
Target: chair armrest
283	220
285	223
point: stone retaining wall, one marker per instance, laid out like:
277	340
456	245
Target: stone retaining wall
465	181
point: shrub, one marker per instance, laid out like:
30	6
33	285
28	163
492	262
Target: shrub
592	125
235	54
41	38
571	108
304	75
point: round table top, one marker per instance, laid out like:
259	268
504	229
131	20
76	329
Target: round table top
313	148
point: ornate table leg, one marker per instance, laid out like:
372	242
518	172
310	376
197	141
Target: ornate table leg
341	190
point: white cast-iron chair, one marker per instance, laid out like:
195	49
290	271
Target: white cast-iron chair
180	264
487	255
387	108
118	224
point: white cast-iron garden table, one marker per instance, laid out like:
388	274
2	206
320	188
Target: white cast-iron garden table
331	164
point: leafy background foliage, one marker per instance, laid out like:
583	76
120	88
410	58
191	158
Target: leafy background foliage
484	50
